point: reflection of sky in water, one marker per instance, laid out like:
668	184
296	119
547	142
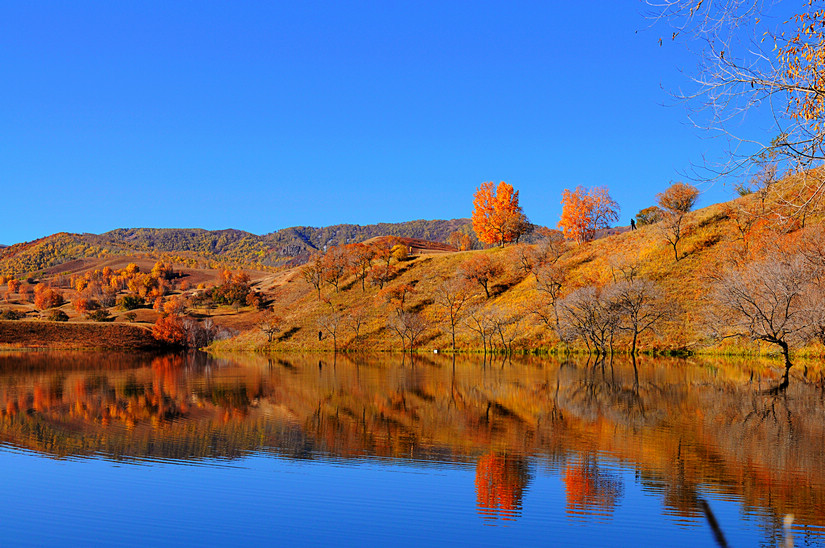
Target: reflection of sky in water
321	502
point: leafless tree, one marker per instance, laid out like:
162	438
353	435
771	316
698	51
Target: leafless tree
332	323
356	319
591	314
755	56
768	300
480	320
641	305
550	279
409	326
507	326
452	296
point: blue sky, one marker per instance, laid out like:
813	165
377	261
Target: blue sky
264	115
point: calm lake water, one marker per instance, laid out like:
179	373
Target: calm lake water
191	450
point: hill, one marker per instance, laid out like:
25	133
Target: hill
202	248
509	305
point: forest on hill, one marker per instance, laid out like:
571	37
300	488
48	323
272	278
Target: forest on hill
215	248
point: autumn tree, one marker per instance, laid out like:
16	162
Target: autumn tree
270	324
460	240
46	297
13	285
314	272
497	215
397	295
170	329
335	266
482	270
586	211
676	201
359	261
649	216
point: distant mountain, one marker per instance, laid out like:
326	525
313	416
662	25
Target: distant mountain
235	247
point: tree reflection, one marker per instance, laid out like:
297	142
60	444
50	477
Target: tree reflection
684	426
589	490
500	483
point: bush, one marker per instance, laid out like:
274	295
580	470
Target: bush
98	315
130	302
57	316
10	314
130	317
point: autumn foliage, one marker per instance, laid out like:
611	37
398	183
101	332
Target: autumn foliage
497	216
170	329
586	211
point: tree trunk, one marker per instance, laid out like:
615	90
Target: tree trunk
782	386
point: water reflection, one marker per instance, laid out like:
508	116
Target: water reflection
500	483
687	428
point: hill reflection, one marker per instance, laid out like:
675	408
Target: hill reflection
684	426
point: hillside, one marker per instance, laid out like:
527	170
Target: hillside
395	293
519	314
198	247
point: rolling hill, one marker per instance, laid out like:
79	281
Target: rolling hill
234	248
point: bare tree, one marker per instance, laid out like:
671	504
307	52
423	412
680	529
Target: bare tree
756	55
480	321
332	323
507	326
640	304
769	300
591	314
550	279
409	326
452	296
356	319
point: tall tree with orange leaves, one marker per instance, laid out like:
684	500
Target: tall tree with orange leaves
586	211
497	215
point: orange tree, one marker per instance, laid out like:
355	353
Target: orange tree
586	211
497	215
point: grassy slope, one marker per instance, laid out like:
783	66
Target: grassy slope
18	334
711	242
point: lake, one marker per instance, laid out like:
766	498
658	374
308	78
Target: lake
107	449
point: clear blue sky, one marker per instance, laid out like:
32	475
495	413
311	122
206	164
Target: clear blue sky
264	115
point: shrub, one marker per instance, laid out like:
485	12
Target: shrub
57	316
100	315
10	314
131	302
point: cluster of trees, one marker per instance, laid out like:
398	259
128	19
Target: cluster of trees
375	263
